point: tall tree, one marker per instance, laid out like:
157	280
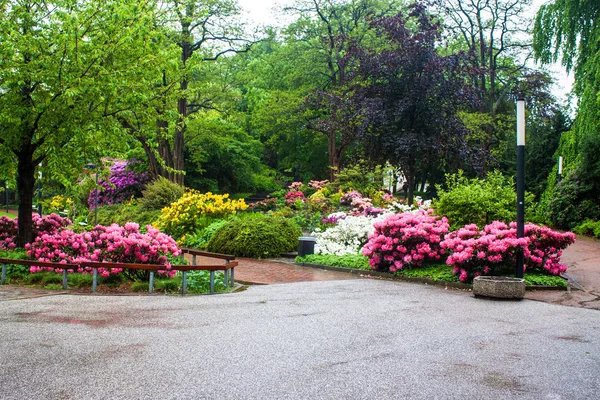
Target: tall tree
409	96
569	30
62	63
329	27
495	33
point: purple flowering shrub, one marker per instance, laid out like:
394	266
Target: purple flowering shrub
405	241
494	248
123	244
122	185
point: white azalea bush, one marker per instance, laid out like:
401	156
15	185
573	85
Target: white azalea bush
347	237
418	204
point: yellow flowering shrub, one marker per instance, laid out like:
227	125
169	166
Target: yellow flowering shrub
195	210
58	204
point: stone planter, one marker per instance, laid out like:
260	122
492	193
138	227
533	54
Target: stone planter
499	287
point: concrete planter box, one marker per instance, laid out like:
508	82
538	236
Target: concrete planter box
499	287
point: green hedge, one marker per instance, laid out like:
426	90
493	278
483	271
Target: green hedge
256	236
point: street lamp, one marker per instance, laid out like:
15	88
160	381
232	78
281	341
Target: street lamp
560	165
92	166
520	183
40	191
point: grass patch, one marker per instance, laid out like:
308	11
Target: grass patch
356	261
5	214
538	278
53	286
435	272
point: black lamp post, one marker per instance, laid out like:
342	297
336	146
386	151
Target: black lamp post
520	183
92	166
40	191
6	195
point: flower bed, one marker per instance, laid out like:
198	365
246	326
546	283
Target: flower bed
494	249
405	241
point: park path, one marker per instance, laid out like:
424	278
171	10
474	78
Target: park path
583	260
283	271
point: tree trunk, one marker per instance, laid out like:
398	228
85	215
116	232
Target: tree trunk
334	162
25	188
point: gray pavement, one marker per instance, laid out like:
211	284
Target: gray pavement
357	339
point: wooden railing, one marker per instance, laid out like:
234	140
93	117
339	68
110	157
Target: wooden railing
227	268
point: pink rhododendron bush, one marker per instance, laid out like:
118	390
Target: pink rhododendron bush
405	240
48	224
123	244
494	249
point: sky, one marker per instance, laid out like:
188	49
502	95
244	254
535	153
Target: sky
264	12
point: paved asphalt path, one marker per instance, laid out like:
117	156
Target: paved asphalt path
354	339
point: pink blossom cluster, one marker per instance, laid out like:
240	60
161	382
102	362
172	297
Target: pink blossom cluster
318	184
295	186
8	233
48	224
485	252
115	243
545	247
405	240
292	197
349	197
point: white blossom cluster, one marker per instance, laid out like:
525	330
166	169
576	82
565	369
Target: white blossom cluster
347	237
399	208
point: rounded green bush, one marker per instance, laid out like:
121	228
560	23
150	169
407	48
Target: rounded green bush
159	194
256	236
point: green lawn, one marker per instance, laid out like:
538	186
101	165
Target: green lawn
3	214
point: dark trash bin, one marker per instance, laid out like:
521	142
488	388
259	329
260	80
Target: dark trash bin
306	245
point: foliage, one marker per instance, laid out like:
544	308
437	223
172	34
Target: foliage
588	228
122	244
405	241
195	210
200	239
123	184
570	30
199	282
477	201
15	270
219	150
123	213
356	261
160	194
493	250
257	236
571	202
407	95
64	75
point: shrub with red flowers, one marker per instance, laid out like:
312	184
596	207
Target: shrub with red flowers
493	250
294	196
405	241
123	244
48	224
122	185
